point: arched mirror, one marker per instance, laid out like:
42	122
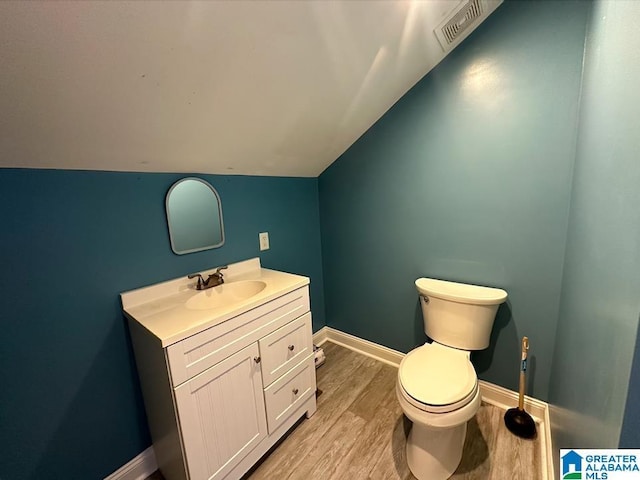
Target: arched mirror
194	216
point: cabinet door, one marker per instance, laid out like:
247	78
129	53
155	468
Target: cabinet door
222	415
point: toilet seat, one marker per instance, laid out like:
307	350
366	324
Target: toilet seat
437	379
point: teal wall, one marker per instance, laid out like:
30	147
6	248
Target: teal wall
466	178
601	285
70	406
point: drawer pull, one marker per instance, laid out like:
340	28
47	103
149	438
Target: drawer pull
291	347
256	359
295	391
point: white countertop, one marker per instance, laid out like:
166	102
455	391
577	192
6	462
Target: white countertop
161	308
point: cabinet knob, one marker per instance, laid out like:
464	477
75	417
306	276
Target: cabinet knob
291	347
256	359
295	391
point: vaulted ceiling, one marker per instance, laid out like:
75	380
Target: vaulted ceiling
244	87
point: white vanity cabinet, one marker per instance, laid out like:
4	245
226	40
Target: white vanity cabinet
217	400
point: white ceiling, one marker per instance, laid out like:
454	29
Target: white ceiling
257	88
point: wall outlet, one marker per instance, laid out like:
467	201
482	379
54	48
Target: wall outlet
264	240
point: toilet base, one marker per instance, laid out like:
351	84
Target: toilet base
434	454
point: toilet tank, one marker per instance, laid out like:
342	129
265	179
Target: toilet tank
457	314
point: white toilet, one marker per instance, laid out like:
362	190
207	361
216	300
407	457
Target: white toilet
437	385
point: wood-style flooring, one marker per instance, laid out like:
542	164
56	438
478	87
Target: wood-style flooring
359	432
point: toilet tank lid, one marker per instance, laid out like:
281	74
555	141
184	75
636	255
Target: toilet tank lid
460	292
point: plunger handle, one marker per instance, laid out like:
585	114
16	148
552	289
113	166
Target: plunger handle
523	369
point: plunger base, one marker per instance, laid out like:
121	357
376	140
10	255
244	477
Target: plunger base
520	423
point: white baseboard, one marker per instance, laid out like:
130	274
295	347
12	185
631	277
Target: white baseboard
137	469
505	399
492	394
365	347
320	336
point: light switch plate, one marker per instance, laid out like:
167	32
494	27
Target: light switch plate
264	240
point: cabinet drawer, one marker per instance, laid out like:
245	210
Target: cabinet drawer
284	395
285	347
195	354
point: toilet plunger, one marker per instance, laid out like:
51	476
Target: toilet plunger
517	420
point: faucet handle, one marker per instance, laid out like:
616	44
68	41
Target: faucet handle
217	278
224	267
200	283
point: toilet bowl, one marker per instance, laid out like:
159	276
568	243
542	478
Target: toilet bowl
437	389
437	386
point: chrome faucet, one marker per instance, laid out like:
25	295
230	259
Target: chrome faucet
214	279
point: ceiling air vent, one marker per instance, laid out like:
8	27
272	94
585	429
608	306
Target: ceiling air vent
461	20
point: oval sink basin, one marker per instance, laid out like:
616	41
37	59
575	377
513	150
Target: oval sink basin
225	294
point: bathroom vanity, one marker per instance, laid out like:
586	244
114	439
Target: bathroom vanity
226	371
